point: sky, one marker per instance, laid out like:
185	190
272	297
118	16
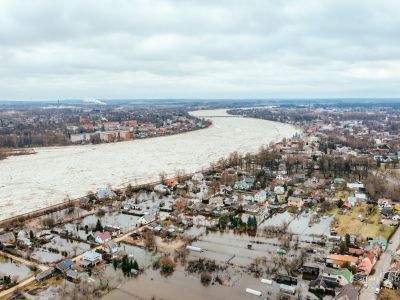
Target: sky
139	49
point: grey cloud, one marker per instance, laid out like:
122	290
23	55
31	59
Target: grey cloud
154	48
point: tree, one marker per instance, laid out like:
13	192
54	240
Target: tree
340	203
167	265
149	240
347	239
205	278
99	227
135	265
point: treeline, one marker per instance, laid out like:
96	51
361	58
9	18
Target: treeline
33	139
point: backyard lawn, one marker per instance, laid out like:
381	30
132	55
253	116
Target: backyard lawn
351	224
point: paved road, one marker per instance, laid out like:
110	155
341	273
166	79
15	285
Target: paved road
380	268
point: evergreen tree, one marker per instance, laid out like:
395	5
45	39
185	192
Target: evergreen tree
99	227
135	265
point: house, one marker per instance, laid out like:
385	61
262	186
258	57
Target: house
107	136
342	275
360	197
23	238
115	231
355	251
355	185
324	284
90	259
146	219
45	274
387	211
339	181
366	264
275	204
125	135
111	247
351	201
7	239
311	268
260	196
251	209
171	182
382	202
281	177
295	202
161	188
244	185
80	137
347	292
102	237
197	177
298	178
380	241
339	261
104	194
72	275
279	190
64	265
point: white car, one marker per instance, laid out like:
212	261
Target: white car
377	290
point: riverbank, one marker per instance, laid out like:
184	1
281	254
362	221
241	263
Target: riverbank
7	152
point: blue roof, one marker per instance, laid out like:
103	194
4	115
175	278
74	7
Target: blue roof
103	193
64	265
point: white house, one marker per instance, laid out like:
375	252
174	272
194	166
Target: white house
102	237
279	190
92	258
260	196
146	219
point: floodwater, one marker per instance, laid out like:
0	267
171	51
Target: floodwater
35	181
144	258
300	224
124	221
16	270
181	286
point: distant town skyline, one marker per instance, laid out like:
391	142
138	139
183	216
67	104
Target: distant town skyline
199	49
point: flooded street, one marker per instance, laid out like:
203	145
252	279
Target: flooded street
181	286
35	181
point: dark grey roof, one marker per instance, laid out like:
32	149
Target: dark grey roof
64	265
348	290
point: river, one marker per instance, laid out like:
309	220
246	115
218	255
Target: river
35	181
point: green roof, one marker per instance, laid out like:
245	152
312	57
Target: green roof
339	181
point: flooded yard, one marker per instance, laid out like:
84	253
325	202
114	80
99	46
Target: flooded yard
126	222
16	270
229	247
45	256
300	224
144	258
73	248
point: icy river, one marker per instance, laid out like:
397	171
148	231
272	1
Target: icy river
35	181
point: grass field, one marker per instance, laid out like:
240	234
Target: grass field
351	224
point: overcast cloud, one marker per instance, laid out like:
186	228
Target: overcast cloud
52	49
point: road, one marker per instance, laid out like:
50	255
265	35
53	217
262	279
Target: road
381	267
